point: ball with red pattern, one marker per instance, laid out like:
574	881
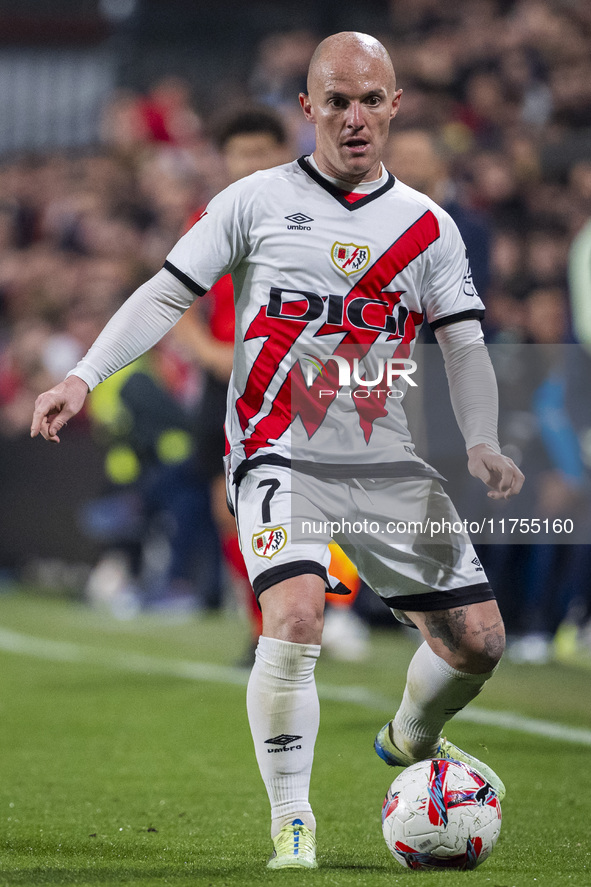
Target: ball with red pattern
440	814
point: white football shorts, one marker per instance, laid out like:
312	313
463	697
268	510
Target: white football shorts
403	534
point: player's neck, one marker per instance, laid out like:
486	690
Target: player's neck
364	187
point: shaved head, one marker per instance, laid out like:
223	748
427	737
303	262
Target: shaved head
349	50
351	100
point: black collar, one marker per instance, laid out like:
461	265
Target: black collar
338	194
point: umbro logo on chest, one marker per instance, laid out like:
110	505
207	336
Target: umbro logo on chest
300	222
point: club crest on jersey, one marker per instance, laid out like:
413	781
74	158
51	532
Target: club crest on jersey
269	542
349	257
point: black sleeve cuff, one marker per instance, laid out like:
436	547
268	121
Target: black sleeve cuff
185	279
471	314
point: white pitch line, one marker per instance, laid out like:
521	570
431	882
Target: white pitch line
66	651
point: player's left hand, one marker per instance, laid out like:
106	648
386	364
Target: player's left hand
498	472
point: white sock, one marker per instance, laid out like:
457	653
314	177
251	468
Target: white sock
284	714
434	693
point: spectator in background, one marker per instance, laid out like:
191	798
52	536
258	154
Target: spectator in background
487	109
281	67
165	115
536	429
496	191
160	546
21	368
249	139
418	159
279	74
168	114
523	76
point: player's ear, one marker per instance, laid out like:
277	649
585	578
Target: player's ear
306	107
395	104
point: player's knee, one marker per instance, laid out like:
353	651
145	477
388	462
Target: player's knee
481	654
294	610
306	628
299	624
298	627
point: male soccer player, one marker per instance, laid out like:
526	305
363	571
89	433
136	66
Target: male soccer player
333	258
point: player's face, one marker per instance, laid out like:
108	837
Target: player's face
246	153
351	104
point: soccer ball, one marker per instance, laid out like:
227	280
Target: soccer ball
440	815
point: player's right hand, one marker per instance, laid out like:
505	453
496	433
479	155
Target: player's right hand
53	408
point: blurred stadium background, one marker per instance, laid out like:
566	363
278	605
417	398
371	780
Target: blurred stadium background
107	109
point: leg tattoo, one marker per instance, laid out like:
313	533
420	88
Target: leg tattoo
448	625
494	644
476	646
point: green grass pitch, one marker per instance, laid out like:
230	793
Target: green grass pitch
125	759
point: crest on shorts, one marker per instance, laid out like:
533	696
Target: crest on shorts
349	257
269	542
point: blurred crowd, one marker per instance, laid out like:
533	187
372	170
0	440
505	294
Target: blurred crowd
495	125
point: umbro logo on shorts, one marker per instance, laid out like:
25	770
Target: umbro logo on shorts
300	222
285	741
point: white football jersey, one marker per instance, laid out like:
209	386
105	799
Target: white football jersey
330	290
